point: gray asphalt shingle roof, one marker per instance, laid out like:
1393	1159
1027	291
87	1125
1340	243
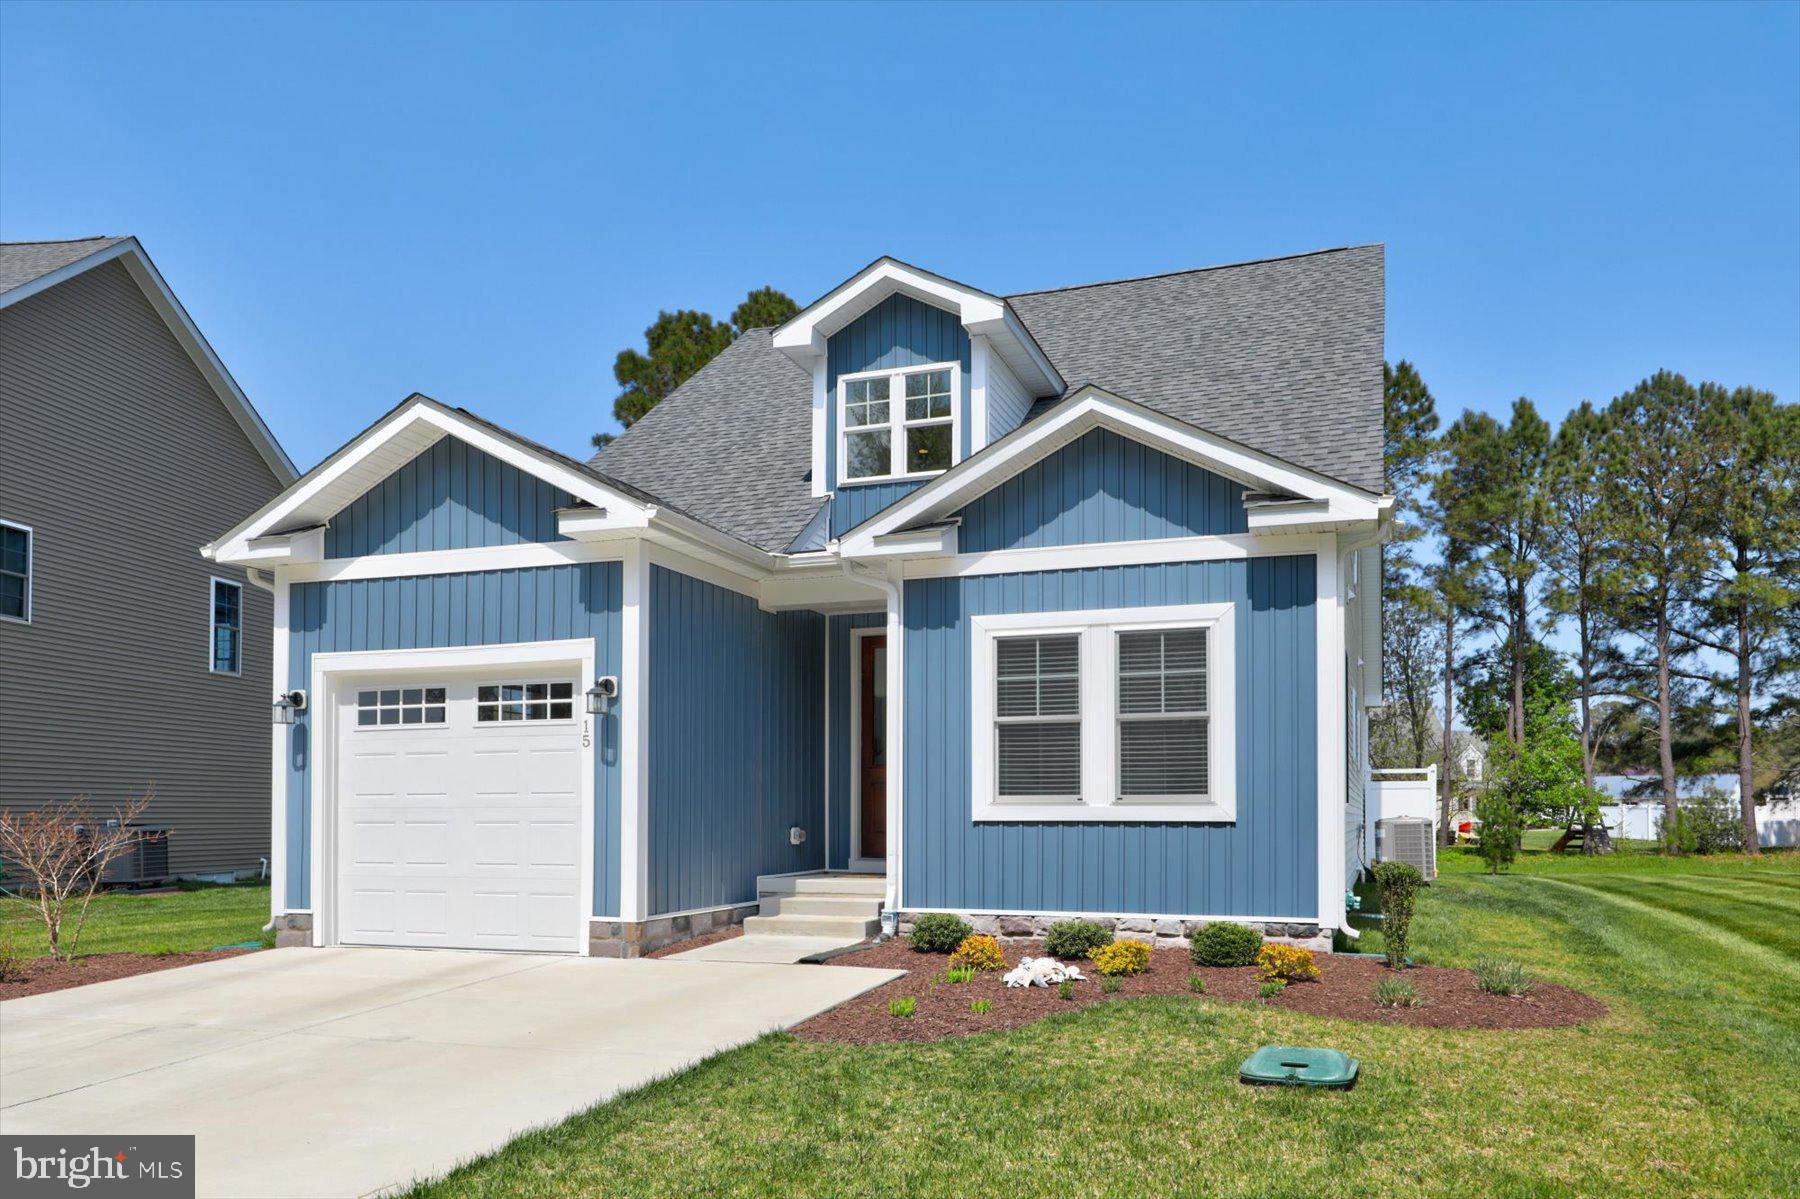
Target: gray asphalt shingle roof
21	262
1283	355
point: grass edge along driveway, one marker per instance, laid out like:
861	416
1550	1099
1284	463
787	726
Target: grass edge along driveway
1670	1094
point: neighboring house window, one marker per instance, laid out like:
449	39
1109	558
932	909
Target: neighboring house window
1037	717
15	571
399	706
896	424
1118	715
499	702
227	626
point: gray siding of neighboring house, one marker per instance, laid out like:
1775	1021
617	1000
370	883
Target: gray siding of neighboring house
124	462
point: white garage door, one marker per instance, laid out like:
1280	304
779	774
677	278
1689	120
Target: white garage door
458	813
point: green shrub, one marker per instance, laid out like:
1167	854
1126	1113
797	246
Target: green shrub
1065	989
1706	824
1269	988
903	1009
1502	823
1399	883
1070	939
1110	983
1196	984
1502	976
960	974
1223	943
938	932
1289	963
1396	992
982	1007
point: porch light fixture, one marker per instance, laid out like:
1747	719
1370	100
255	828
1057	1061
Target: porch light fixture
288	703
602	695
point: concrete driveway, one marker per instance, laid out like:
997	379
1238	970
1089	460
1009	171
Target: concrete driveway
345	1072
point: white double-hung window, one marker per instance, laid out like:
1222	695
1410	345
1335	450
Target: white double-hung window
1116	715
897	424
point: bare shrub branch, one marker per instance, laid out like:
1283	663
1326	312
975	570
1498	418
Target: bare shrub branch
62	851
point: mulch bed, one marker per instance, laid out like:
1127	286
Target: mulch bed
724	934
35	976
1345	989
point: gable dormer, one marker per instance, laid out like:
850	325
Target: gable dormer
912	373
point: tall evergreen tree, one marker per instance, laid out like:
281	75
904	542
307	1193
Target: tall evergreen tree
1456	579
677	346
1576	553
1506	518
1657	484
1401	730
1749	598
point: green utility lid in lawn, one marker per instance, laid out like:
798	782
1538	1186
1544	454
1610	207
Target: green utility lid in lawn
1286	1065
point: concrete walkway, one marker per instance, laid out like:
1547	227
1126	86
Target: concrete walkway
765	949
346	1072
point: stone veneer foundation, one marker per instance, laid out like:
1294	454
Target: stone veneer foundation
606	938
1162	934
634	939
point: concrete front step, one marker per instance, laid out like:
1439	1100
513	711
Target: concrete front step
822	884
861	907
848	927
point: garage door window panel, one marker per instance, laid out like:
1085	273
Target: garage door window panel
398	707
502	703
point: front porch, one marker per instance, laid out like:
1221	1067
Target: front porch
818	903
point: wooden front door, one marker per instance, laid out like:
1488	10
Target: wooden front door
871	740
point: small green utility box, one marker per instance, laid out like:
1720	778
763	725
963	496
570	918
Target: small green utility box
1288	1066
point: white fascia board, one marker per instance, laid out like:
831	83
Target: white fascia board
804	336
1092	408
420	414
1014	343
283	549
600	524
156	289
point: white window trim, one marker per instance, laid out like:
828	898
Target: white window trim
30	568
1100	800
897	424
355	704
577	703
212	628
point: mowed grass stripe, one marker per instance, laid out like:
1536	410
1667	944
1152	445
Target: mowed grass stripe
1751	918
1699	929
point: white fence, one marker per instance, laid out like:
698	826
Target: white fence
1400	793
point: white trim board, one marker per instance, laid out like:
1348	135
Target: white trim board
332	669
1100	801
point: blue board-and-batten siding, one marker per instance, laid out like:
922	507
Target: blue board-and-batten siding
841	787
549	603
449	497
900	331
1264	864
736	743
1102	487
854	504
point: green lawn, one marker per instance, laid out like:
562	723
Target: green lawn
129	922
1684	1089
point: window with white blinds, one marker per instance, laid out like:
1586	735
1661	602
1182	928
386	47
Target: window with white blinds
1037	716
1162	714
1116	714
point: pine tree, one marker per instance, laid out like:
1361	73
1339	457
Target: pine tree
1749	596
1456	579
1577	555
1656	486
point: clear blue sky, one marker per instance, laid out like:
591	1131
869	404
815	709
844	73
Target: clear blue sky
486	204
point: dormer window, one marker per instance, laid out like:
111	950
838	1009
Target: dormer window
897	424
